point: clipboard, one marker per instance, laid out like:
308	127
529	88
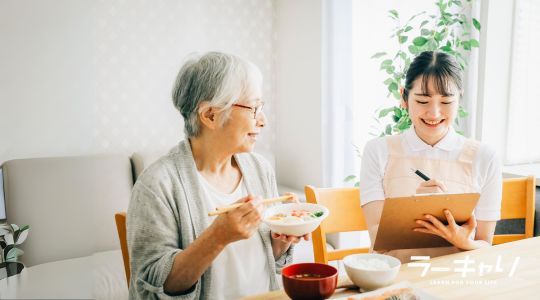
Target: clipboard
399	215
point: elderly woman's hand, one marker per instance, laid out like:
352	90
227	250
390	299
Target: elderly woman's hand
240	223
290	238
430	187
282	242
293	199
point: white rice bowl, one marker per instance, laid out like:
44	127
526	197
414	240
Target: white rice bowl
371	271
290	225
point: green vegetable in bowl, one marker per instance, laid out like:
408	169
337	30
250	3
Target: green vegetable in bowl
317	214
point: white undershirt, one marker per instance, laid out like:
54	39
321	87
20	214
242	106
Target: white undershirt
241	269
487	173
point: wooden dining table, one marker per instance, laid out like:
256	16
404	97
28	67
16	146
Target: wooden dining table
506	271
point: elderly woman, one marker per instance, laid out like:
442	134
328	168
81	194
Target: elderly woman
176	249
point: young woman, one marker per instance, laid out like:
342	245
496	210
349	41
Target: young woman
455	164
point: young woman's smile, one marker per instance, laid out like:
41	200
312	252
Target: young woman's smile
432	112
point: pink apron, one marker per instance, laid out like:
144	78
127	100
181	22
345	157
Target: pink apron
400	181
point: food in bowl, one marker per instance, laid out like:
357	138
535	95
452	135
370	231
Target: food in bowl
371	271
375	264
296	219
309	280
296	216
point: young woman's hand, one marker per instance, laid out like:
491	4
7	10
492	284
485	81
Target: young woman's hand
459	236
240	223
431	186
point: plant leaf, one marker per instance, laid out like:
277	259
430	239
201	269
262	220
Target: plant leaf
447	49
462	112
4	230
437	36
396	95
423	23
403	39
357	184
393	87
420	41
413	49
21	237
388	130
378	54
397	112
394	13
350	177
384	112
403	55
7	249
386	63
425	32
8	237
474	43
432	45
408	28
13	254
476	24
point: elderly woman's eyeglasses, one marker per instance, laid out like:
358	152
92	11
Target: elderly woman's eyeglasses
255	109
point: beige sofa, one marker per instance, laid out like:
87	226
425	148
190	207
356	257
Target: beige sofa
69	203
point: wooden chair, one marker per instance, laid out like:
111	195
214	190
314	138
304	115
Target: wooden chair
120	219
517	203
345	215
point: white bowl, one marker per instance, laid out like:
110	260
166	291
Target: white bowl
296	229
362	272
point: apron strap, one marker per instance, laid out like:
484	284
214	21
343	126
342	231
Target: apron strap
394	145
470	148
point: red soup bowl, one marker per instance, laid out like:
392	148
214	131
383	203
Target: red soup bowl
309	281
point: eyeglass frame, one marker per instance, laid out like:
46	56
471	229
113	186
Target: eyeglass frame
257	110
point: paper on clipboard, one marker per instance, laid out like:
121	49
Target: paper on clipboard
399	216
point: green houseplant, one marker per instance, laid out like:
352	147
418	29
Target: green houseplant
450	30
11	237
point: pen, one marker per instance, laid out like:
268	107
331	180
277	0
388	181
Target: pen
422	175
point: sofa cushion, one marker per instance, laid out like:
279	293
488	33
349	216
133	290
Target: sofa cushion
69	203
141	160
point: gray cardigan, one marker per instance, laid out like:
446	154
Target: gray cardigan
166	214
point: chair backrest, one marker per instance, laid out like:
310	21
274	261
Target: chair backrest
518	198
345	215
68	203
120	219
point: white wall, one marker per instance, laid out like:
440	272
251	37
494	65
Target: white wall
81	77
298	140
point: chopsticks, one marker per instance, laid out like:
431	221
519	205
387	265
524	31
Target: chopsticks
225	209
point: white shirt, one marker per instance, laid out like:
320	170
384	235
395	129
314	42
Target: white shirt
240	269
487	172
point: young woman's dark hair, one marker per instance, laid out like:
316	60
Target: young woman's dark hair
437	67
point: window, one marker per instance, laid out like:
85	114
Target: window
523	130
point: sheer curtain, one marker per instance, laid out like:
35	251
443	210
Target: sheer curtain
337	107
522	138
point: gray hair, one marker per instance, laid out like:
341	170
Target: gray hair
218	78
